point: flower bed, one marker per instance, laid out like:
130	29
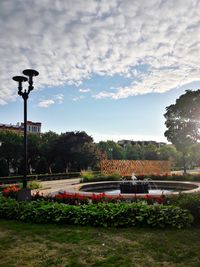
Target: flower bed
80	199
10	191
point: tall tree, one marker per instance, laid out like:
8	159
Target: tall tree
74	151
183	124
32	151
151	152
11	149
112	149
47	148
131	152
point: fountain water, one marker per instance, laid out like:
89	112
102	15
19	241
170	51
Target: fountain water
135	186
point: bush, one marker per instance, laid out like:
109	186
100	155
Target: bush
102	214
34	185
169	177
86	175
90	177
116	176
191	202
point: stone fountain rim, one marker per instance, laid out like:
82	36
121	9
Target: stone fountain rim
76	189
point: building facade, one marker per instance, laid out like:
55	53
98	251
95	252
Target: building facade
32	127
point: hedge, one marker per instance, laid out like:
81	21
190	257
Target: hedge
191	202
102	214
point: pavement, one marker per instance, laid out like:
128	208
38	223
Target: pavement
49	187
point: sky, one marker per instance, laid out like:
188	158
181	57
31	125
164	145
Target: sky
109	68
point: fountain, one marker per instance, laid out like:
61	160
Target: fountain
134	187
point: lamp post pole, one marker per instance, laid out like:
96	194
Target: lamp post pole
25	142
25	193
111	154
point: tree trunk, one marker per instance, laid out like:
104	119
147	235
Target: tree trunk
184	164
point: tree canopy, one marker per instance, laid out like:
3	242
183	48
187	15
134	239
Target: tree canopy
183	122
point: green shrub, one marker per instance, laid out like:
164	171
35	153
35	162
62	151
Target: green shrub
34	185
191	202
101	178
86	175
173	177
114	176
102	214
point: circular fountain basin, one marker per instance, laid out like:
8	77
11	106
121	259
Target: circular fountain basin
155	188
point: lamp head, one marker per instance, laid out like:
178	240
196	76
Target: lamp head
30	72
20	79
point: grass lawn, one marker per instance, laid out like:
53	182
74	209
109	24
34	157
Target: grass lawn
53	245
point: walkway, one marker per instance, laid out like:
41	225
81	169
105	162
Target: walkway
56	185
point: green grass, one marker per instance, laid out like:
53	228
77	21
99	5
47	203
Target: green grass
52	245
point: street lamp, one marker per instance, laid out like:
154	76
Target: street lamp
25	193
111	154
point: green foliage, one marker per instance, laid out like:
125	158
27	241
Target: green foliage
131	152
34	185
102	214
87	175
173	177
112	149
182	122
41	166
191	202
70	151
151	152
182	119
11	148
75	150
4	171
114	175
168	152
90	177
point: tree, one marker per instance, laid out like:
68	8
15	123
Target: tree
32	151
41	166
47	146
4	171
167	152
74	151
131	152
112	149
193	158
182	122
11	149
150	152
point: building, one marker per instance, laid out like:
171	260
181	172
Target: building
32	127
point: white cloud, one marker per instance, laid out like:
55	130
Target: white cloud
84	90
57	99
78	98
46	103
68	41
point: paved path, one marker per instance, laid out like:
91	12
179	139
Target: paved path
56	185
